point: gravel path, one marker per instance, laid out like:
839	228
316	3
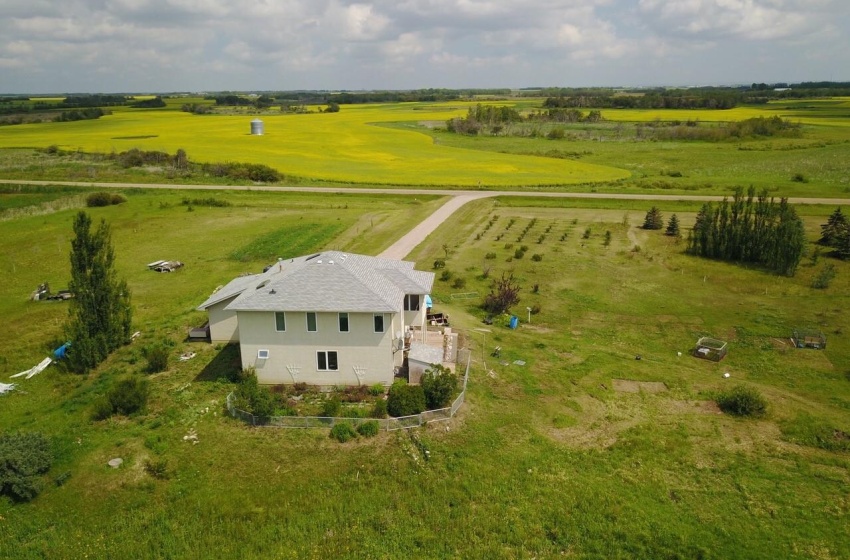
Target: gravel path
417	235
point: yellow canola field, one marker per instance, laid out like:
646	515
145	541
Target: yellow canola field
341	146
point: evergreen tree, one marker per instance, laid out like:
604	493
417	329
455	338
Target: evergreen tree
100	315
843	246
654	219
835	229
673	226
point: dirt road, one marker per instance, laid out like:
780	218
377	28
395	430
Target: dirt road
417	235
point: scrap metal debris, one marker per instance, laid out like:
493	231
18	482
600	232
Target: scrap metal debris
6	388
165	266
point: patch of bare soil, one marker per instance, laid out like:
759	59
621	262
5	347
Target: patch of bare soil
628	386
692	407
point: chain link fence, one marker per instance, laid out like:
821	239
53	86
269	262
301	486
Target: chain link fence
386	424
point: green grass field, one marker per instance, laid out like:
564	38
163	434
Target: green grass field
545	460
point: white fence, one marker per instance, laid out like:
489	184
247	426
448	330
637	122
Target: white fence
387	424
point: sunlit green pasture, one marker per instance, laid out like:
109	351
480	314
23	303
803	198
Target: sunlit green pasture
545	460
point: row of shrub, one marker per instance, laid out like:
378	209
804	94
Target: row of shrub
438	387
344	431
104	199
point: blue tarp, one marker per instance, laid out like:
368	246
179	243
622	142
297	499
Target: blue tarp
514	321
428	301
60	352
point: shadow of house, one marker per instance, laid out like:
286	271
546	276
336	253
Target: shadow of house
225	366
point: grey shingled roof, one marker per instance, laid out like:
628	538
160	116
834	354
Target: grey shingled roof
329	281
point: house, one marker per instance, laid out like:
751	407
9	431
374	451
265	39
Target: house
330	318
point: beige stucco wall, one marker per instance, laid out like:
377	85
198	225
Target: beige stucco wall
223	324
292	354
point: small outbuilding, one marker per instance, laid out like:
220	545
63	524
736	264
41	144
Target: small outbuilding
808	338
709	348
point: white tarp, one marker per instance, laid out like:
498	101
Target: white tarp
35	370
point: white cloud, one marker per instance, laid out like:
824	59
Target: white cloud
120	45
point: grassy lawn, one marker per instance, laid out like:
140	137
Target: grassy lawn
546	459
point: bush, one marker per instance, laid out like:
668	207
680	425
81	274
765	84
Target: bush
519	253
331	407
490	256
446	275
101	409
369	429
104	199
129	395
354	394
23	457
343	432
824	277
157	469
377	390
742	401
405	400
459	283
535	309
439	385
536	257
252	398
379	410
157	357
439	263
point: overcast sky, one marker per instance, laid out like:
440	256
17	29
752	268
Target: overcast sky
203	45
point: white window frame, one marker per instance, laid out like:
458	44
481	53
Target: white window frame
315	321
282	314
326	354
262	354
407	300
383	325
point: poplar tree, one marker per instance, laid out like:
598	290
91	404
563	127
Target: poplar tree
100	315
756	230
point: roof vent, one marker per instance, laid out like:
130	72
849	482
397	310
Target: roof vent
262	284
330	262
272	291
318	262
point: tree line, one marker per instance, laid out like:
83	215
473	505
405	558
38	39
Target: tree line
651	100
87	113
750	229
493	119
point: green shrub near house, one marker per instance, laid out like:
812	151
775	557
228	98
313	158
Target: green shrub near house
343	432
405	400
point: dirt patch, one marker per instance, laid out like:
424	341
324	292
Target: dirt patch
692	407
628	386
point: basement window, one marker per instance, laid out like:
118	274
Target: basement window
326	361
